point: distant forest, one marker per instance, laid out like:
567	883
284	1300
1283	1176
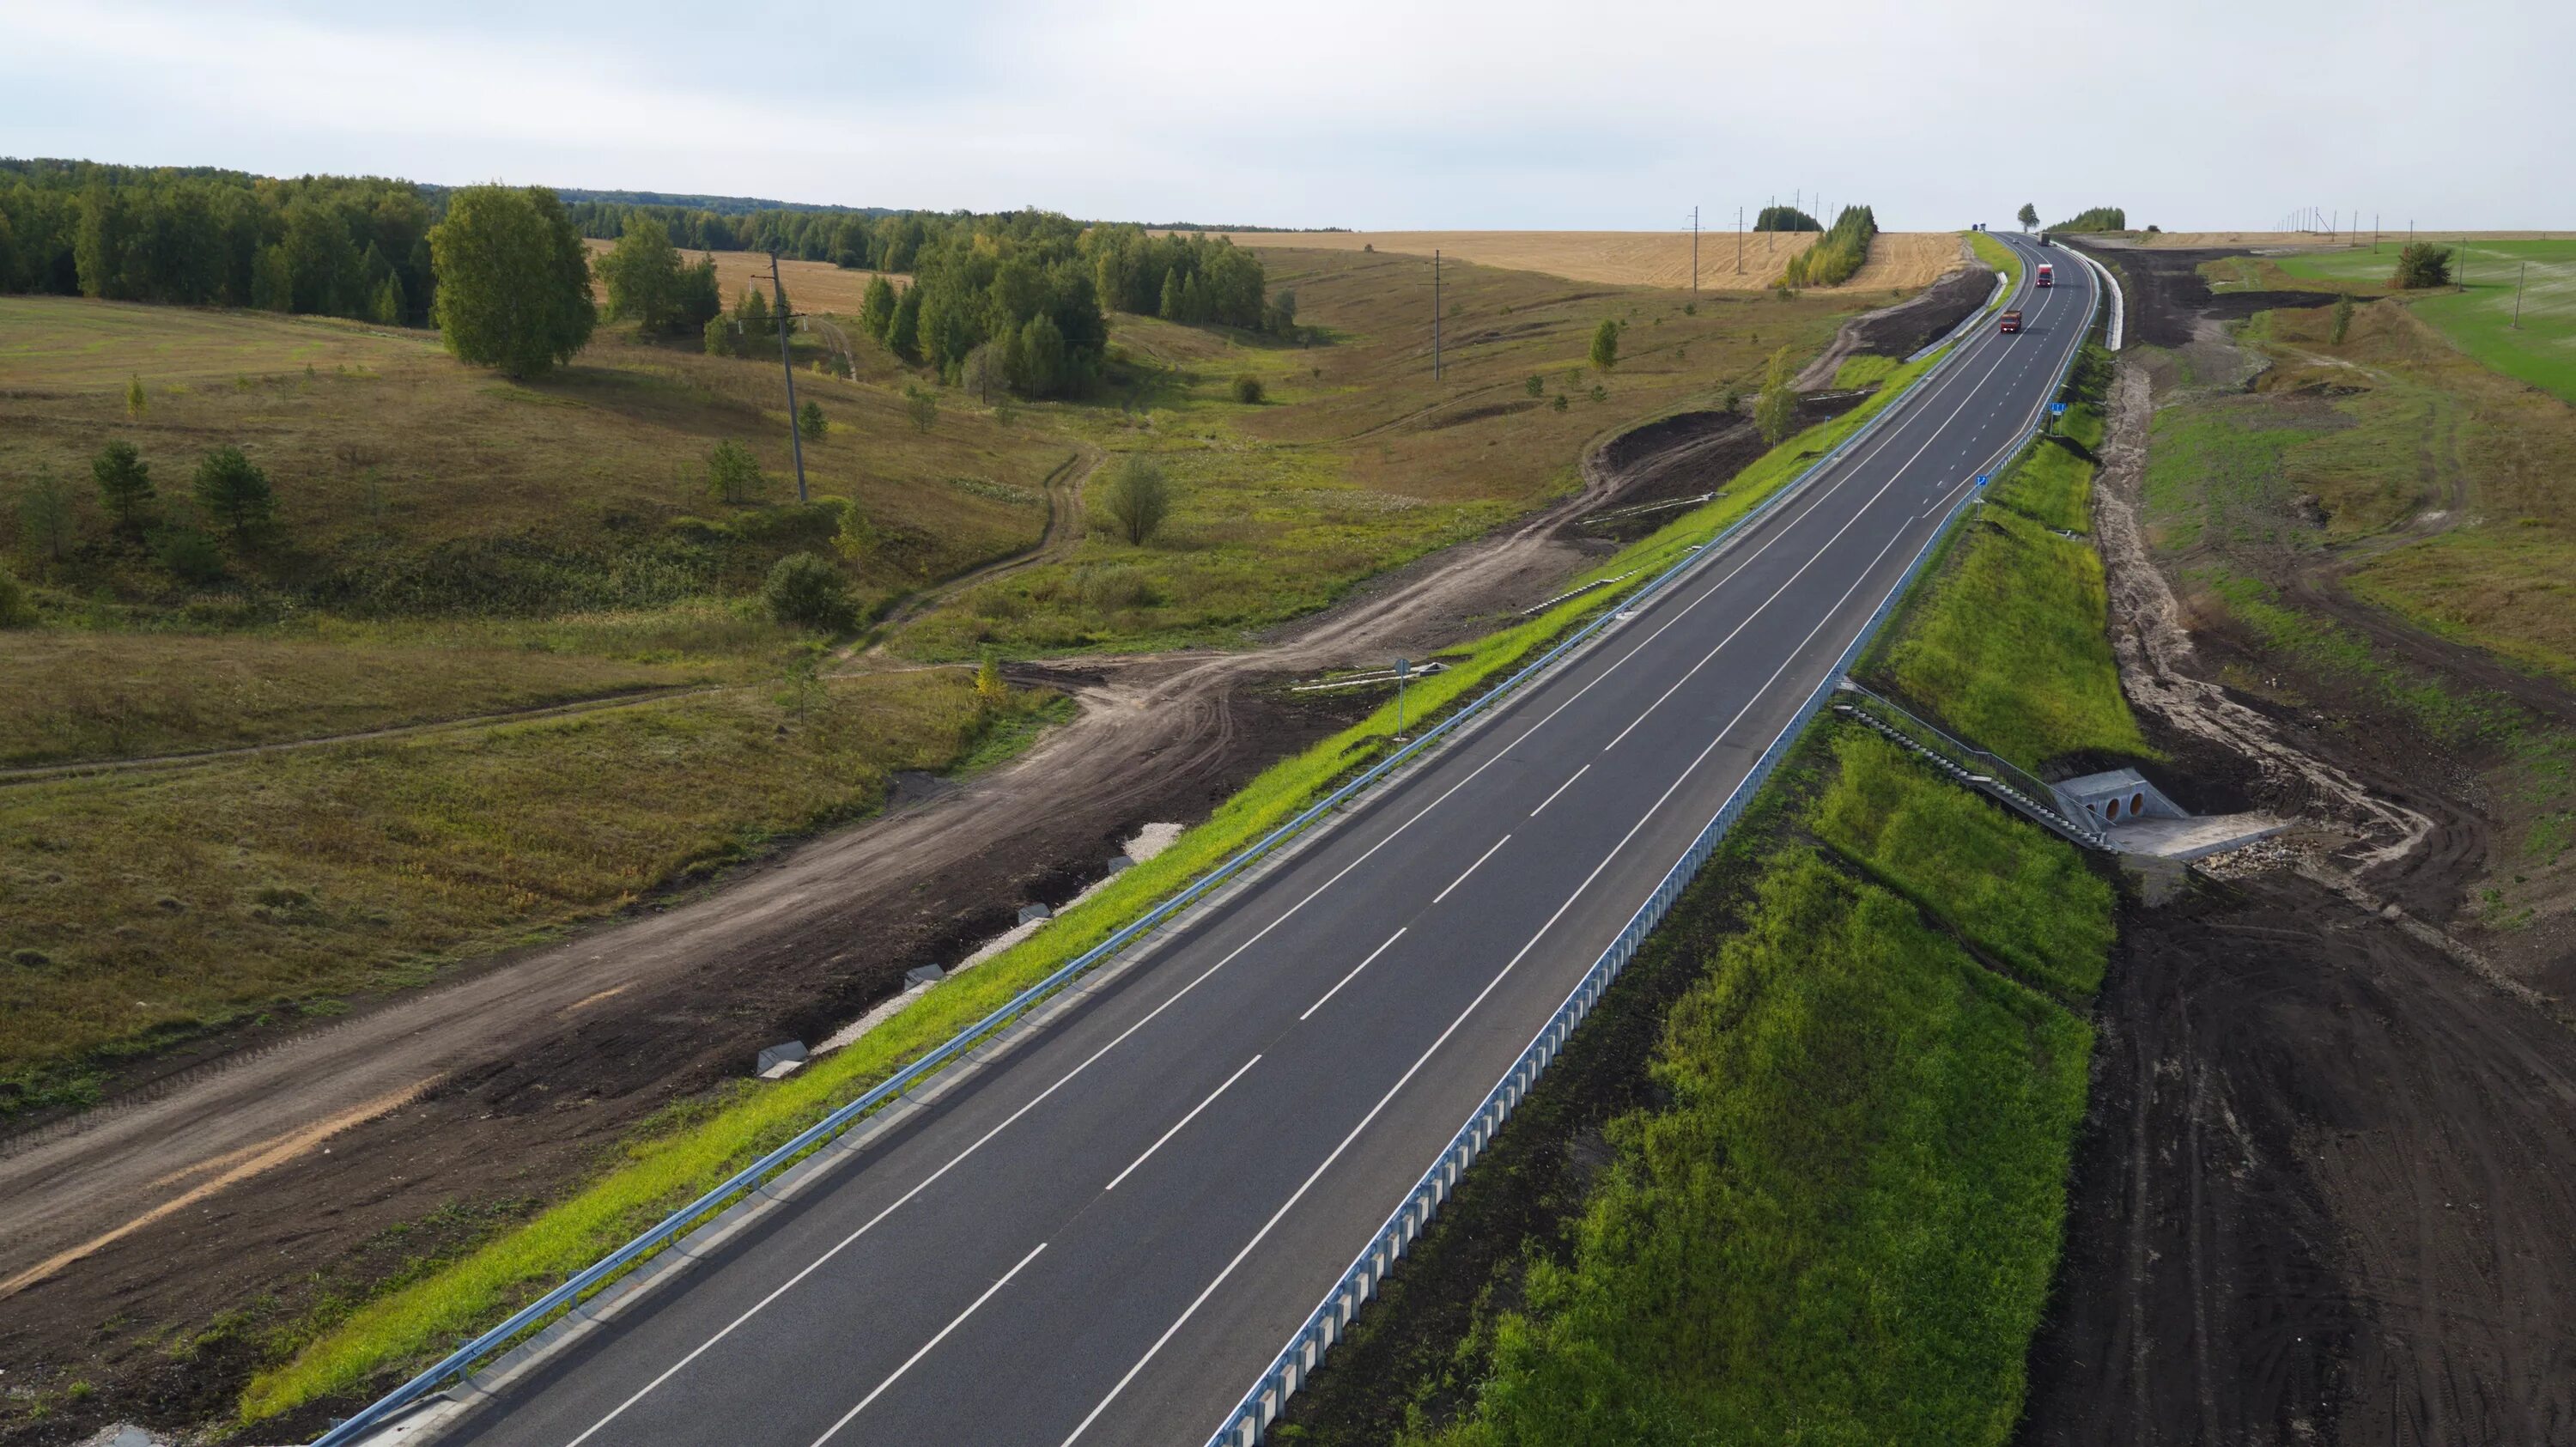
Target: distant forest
1029	289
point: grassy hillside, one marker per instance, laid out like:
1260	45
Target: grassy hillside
451	546
1356	459
2479	317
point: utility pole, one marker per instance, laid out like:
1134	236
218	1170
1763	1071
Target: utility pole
787	364
1694	251
2517	294
1739	241
1435	314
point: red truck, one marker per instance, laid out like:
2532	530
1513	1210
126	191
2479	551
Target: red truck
2012	320
2047	275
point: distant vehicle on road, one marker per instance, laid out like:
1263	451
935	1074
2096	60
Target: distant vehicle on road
2043	238
2047	275
2012	320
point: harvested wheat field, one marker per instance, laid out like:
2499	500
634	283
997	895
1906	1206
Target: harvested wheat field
1641	258
812	285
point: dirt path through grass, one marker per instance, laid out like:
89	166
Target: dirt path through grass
547	1054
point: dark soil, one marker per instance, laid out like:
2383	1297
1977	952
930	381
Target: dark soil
2329	1171
2324	1193
2168	297
1687	455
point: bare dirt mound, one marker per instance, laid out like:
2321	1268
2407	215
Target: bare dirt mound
1667	464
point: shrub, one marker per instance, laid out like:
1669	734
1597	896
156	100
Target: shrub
988	681
719	335
16	611
233	491
1690	308
2420	265
1559	404
2342	317
1247	390
1536	386
733	474
1138	498
921	406
136	399
805	590
810	422
188	555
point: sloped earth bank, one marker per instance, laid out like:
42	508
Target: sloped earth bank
1907	327
256	1183
2329	1173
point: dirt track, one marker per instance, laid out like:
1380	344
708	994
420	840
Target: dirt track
2329	1172
446	1110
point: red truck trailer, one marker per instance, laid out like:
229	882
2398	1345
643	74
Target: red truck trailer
2012	320
2047	275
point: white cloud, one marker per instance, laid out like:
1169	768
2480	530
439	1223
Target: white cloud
1362	112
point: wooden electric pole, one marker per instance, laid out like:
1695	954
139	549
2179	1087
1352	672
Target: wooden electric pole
1435	314
787	363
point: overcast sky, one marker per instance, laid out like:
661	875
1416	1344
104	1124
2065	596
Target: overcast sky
1369	113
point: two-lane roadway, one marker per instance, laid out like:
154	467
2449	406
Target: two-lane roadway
1103	1236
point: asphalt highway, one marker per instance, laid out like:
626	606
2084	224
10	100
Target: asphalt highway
1103	1236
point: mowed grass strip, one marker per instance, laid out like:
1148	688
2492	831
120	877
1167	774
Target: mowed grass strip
141	907
1842	1228
409	1326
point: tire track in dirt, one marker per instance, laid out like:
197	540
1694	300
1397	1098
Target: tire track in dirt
2330	1162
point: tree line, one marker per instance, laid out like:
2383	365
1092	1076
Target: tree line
2095	218
1012	300
340	246
1786	218
1837	254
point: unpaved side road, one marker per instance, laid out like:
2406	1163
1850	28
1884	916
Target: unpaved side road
419	1121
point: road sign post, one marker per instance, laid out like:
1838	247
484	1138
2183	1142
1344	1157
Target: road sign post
1402	667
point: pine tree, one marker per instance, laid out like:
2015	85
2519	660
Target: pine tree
124	485
1170	309
135	398
232	490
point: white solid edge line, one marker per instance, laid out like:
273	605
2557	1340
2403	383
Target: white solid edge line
1561	788
1849	467
1792	580
1193	1115
1470	869
1354	974
1285	1207
926	1346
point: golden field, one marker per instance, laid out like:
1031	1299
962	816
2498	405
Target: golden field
1640	258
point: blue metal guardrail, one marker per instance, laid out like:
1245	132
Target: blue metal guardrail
605	1271
1288	1371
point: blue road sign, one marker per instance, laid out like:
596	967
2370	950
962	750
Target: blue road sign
2056	409
1984	477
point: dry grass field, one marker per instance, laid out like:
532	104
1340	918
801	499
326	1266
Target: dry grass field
391	462
811	285
453	545
1640	258
1357	460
